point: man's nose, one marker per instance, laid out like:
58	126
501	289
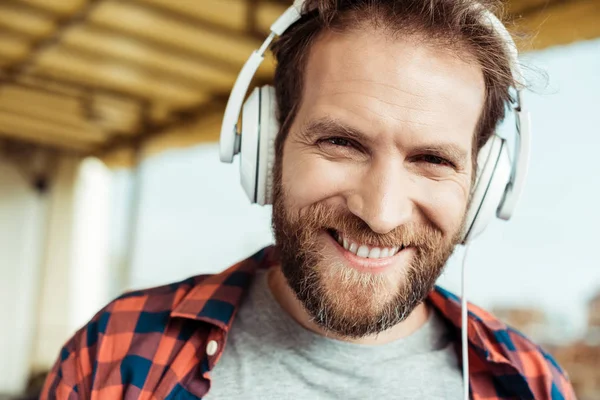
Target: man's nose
382	198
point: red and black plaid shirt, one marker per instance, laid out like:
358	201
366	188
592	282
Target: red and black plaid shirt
162	343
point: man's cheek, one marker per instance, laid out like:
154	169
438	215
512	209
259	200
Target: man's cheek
316	180
444	204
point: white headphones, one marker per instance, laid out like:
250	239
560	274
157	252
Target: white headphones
499	181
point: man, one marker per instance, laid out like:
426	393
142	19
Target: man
383	107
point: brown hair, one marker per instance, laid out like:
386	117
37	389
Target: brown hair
453	24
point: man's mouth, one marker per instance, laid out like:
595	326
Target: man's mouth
364	250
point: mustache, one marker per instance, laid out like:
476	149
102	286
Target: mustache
325	217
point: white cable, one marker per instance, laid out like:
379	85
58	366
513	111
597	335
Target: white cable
464	326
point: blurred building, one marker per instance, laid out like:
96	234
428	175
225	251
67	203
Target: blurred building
531	322
582	363
593	331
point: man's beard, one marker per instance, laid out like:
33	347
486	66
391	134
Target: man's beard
339	298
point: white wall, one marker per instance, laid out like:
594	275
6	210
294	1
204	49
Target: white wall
90	274
52	313
54	270
22	227
75	273
194	217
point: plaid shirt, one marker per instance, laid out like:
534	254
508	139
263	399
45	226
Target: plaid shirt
162	343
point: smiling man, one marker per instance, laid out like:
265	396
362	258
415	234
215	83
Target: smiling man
384	107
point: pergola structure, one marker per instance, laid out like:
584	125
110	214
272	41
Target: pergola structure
121	79
93	77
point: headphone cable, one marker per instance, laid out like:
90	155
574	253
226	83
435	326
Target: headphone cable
464	326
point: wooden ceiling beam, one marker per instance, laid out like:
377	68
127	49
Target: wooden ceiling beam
195	21
47	140
521	8
19	109
42	89
29	9
157	74
85	88
563	22
10	32
251	25
41	45
22	122
178	118
170	50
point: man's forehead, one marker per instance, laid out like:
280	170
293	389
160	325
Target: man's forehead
403	65
399	84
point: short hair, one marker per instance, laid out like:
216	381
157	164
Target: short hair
457	25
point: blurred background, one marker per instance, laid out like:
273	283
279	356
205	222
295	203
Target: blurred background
110	180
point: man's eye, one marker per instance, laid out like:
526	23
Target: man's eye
435	160
337	141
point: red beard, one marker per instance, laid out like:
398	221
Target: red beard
339	298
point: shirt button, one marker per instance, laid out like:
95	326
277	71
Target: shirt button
211	348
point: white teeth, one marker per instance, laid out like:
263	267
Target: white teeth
353	247
375	252
363	251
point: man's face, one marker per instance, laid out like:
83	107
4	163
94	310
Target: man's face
374	180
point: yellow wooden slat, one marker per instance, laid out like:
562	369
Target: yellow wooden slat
112	114
33	24
206	129
48	140
149	24
125	118
122	48
42	132
515	7
563	23
122	157
57	6
47	112
13	48
228	13
17	122
55	103
34	81
267	13
115	76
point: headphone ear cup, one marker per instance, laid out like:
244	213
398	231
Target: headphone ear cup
493	177
249	144
269	128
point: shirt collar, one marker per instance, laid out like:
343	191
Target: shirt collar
216	298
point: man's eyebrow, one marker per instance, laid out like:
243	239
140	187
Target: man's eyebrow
330	127
450	151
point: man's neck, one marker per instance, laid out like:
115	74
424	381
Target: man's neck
290	304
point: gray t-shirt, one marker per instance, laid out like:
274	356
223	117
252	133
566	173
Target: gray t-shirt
270	356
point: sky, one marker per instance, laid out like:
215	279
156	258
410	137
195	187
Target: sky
196	219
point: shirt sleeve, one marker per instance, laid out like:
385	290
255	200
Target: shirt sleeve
71	376
561	386
63	381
